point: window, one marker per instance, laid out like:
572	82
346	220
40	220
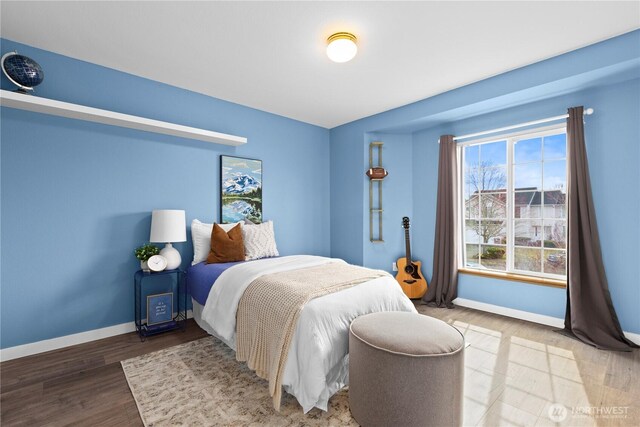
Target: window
515	204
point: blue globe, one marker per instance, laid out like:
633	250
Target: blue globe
22	70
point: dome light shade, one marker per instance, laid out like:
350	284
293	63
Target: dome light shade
341	47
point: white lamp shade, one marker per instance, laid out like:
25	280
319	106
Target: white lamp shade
168	226
342	47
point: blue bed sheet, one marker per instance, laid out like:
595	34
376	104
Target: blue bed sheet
200	278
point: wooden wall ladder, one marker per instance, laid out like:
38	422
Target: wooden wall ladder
375	210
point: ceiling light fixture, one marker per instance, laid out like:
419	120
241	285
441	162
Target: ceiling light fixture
342	47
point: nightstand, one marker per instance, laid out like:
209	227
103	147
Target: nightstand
160	308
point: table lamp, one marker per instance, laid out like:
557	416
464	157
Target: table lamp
169	226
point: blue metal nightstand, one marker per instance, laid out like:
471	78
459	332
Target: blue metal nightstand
178	307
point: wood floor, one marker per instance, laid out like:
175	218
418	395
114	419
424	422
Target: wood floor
514	372
83	385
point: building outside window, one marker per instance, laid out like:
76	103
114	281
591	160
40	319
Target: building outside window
515	203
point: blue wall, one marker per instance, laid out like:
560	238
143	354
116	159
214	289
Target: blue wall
603	76
77	196
347	193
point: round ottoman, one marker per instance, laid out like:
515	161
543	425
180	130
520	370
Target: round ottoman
405	369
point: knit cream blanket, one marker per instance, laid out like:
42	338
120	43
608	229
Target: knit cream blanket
269	309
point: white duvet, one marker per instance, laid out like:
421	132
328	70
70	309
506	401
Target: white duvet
317	363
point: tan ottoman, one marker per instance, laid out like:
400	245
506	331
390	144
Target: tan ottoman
405	369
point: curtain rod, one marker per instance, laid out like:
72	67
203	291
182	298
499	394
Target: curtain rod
587	112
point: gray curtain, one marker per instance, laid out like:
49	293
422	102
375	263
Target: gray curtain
443	288
590	316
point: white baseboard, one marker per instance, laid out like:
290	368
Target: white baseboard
555	322
633	337
68	340
125	328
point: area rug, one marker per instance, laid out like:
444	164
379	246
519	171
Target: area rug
200	383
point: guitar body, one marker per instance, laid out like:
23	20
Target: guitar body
409	274
413	284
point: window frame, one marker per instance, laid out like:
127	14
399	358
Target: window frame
510	138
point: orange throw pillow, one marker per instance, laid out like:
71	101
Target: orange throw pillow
226	246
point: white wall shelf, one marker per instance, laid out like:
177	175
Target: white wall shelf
90	114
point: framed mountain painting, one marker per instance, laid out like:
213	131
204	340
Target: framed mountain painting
241	192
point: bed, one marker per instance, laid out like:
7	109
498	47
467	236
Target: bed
317	360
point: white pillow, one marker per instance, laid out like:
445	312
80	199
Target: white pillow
201	238
259	241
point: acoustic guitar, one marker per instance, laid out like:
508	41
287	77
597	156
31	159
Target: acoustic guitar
409	275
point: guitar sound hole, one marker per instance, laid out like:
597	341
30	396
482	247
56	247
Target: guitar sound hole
409	269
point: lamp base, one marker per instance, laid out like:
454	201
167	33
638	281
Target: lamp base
172	255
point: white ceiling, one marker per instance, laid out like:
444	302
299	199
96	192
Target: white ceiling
270	55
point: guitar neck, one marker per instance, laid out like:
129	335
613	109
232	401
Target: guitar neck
407	243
